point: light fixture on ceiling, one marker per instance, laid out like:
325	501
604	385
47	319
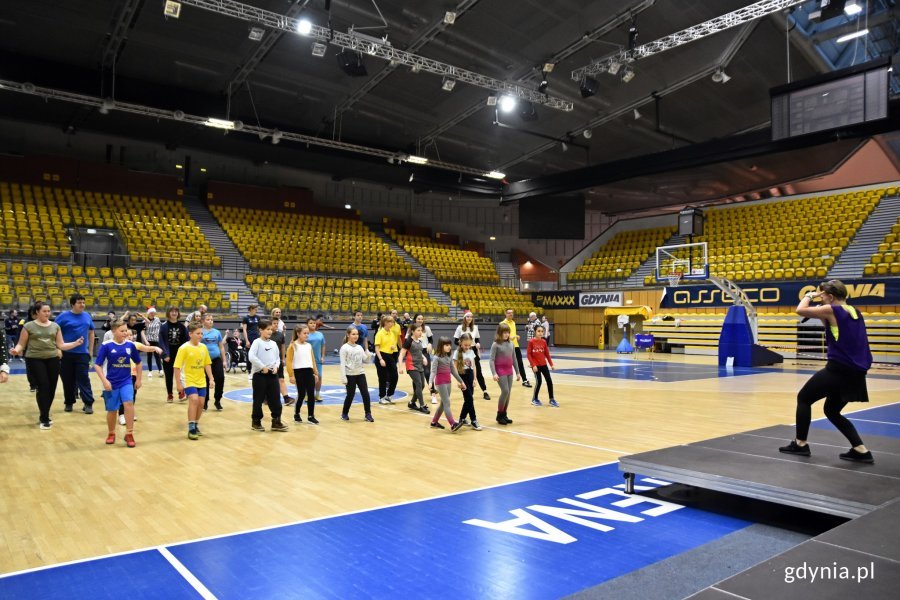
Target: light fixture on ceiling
449	18
632	36
417	160
495	175
107	105
545	75
304	26
588	87
256	33
347	206
507	103
179	166
448	84
720	76
203	169
542	87
852	36
588	133
351	63
412	176
627	74
276	136
852	8
637	114
219	123
492	238
527	112
564	146
172	9
492	100
92	231
614	68
319	49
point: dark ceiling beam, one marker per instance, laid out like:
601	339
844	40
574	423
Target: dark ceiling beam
727	55
266	44
414	46
121	25
875	20
530	73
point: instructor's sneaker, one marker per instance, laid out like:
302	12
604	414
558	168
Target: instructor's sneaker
345	417
390	399
463	421
487	396
383	400
312	420
169	398
797	449
855	456
554	403
279	426
218	405
536	402
298	418
68	408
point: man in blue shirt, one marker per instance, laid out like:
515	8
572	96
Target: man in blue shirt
73	369
362	329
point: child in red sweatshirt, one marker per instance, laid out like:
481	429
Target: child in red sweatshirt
539	358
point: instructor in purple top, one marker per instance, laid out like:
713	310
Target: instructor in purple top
843	379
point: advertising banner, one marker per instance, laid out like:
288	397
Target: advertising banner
556	300
861	292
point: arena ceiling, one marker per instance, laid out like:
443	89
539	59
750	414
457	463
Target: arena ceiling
205	63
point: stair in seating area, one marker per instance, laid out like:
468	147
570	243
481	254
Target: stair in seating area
864	244
427	280
244	296
233	264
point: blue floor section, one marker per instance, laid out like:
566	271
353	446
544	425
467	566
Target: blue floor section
888	424
136	576
660	371
544	538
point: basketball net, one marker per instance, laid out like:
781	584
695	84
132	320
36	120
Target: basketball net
674	278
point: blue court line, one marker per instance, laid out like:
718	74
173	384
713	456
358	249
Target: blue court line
427	548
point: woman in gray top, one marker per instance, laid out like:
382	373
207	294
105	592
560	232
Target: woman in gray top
44	342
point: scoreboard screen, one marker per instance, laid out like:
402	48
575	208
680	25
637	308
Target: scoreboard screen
844	99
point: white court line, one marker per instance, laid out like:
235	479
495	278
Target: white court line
189	577
301	521
871	421
531	435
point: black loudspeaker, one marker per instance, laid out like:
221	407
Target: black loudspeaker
589	87
351	63
527	112
690	222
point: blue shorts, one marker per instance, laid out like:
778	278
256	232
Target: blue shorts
117	397
188	391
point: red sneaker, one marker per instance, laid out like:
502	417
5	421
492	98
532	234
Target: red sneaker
111	438
129	440
181	396
169	399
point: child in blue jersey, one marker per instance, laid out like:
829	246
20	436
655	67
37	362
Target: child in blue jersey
113	366
316	339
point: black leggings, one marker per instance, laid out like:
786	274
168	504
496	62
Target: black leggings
306	388
522	370
44	373
824	384
387	375
218	371
151	356
545	371
468	408
169	370
354	382
479	376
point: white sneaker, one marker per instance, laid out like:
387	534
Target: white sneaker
121	419
160	373
46	426
150	374
383	401
134	418
434	398
390	400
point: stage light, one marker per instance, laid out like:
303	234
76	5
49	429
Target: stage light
721	76
351	63
852	8
172	9
637	114
495	175
219	123
256	33
542	88
448	84
179	166
632	36
527	112
347	206
106	106
614	68
276	136
564	146
628	74
852	36
492	100
588	134
417	160
588	87
492	238
304	27
507	103
203	169
449	18
319	49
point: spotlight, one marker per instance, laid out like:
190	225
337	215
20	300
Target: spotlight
527	112
448	84
415	69
507	103
548	67
449	18
351	63
256	33
628	74
852	8
492	101
319	49
276	136
493	238
614	67
417	160
107	106
588	87
720	76
565	146
172	9
588	134
219	123
632	36
178	114
495	175
542	88
412	176
637	114
347	206
304	26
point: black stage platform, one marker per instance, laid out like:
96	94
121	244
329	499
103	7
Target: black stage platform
749	464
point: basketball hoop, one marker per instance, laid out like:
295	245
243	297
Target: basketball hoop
674	278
